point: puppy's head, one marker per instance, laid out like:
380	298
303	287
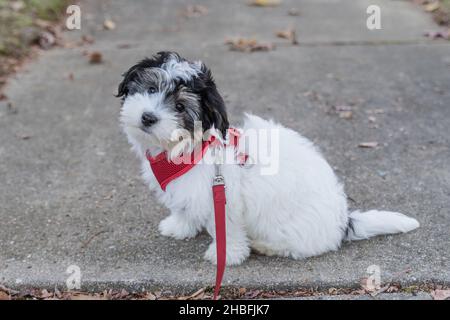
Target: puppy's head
167	94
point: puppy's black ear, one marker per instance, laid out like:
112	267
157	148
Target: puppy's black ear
214	111
127	76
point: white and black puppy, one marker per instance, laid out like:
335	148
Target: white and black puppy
300	210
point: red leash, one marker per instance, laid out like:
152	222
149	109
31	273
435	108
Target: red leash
165	171
221	235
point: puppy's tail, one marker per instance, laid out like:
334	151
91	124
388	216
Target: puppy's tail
363	225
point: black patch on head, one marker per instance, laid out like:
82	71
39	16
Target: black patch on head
133	73
212	104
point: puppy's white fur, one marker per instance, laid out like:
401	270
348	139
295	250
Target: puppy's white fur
299	212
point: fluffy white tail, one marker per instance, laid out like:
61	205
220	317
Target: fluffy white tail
363	225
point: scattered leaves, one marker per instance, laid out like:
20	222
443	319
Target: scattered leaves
3	97
438	34
95	57
440	294
372	144
264	3
252	294
343	111
248	45
199	294
195	11
108	24
288	34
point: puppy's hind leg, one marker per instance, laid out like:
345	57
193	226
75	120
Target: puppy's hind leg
237	246
179	226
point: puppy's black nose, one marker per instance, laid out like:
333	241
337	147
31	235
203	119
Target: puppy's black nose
148	119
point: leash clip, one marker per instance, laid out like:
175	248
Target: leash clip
218	180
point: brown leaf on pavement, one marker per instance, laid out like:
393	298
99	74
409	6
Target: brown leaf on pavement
95	57
248	45
87	39
242	291
45	294
288	34
440	294
4	296
150	296
438	34
195	11
346	115
372	144
264	3
108	24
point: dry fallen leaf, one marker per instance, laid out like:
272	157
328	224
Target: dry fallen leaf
288	34
81	296
24	136
45	294
3	97
46	40
341	108
438	34
433	6
248	45
150	296
87	39
369	286
96	57
198	294
109	24
195	11
253	294
372	144
346	115
4	296
440	294
265	3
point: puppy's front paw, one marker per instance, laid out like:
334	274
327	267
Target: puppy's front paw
236	254
176	227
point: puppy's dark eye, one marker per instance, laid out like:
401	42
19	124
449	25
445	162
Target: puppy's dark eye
152	90
179	107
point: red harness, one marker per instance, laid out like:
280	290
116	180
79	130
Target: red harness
166	171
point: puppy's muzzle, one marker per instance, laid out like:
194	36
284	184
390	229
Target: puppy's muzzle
148	119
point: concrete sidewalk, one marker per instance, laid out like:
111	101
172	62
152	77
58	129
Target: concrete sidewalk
70	191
